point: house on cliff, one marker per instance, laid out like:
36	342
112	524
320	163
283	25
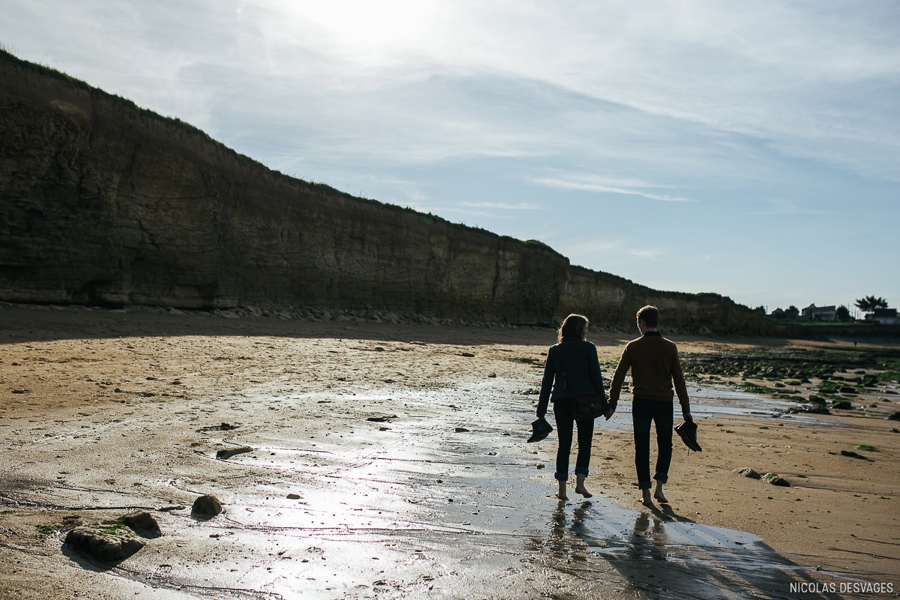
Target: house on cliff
819	313
884	316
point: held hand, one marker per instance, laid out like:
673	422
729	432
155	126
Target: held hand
687	416
609	413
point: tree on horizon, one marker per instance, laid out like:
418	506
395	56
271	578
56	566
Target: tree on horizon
868	304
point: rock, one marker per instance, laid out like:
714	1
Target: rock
229	452
776	480
382	418
747	472
461	430
143	524
206	506
842	405
467	355
852	454
108	542
894	416
293	496
815	409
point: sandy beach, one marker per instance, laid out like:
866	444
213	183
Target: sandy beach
389	461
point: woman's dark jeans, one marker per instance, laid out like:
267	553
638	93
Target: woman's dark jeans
565	424
644	411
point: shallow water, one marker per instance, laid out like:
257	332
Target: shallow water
412	507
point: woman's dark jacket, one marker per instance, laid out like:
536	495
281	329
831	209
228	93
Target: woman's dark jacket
578	360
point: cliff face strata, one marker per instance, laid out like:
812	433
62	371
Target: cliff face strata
101	202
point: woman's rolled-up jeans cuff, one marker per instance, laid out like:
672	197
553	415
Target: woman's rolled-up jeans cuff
646	485
578	471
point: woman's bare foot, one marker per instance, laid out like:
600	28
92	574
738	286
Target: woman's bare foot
579	486
645	498
561	495
658	494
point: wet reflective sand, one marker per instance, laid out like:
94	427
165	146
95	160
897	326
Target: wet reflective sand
403	491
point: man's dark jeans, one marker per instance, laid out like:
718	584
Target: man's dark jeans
643	412
563	412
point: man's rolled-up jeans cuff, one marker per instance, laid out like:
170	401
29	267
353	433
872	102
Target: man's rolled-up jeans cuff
644	485
581	471
660	478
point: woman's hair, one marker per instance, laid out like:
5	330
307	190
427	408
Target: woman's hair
572	325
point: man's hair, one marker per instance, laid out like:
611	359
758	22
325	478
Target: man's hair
649	315
572	325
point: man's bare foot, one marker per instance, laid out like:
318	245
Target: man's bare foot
580	489
645	498
659	496
562	497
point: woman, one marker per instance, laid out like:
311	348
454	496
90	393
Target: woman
572	370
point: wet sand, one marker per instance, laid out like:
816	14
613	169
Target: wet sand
409	461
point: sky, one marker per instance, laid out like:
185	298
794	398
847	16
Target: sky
750	149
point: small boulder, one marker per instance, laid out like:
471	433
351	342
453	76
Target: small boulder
293	496
228	453
776	480
747	472
894	416
109	542
143	524
842	405
461	430
852	454
206	506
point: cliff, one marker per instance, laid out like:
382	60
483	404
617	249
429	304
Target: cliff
102	202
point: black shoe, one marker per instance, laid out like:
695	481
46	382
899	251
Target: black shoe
687	431
539	430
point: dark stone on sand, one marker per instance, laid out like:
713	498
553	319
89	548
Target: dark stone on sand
894	416
228	453
776	480
106	543
461	430
815	408
382	418
143	524
467	355
206	506
842	405
293	496
748	472
846	389
852	454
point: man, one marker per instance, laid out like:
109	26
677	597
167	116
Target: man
654	365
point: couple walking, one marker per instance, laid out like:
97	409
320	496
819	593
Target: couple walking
573	370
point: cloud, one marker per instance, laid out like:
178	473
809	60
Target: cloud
611	248
503	205
593	183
